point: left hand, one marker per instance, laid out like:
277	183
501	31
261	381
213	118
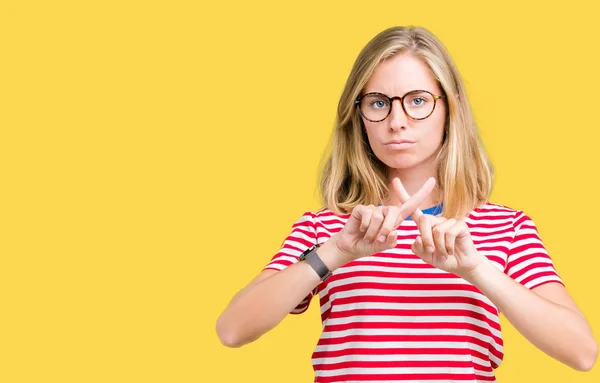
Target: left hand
444	243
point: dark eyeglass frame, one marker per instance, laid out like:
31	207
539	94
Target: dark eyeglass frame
401	99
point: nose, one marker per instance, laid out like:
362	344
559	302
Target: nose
397	118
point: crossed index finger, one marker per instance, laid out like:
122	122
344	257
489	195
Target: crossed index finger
410	205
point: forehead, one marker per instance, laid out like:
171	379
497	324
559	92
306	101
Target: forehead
400	74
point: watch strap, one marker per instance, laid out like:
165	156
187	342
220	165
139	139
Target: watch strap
313	259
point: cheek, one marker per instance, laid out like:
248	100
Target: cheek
433	133
370	133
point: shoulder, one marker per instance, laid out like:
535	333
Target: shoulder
326	213
327	218
320	217
493	210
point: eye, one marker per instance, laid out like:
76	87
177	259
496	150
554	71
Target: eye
418	101
379	103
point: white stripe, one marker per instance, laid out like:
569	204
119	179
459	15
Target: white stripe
413	306
486	212
404	331
410	261
392	269
285	258
537	281
488	237
528	262
296	235
401	358
424	345
493	253
535	271
407	293
496	226
392	280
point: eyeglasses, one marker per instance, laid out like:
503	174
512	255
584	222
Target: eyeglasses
417	104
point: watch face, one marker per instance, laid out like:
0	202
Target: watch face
303	255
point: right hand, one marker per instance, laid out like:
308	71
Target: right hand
372	229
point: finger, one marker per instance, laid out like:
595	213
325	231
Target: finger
366	213
391	215
374	224
451	234
436	220
389	243
440	238
392	237
404	196
417	246
424	225
417	199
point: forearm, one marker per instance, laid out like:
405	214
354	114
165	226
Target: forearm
260	307
559	331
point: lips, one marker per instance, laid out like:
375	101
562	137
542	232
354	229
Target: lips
400	142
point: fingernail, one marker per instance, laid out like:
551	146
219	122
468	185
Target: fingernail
381	238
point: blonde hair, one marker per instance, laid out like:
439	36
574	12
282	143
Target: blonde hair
353	175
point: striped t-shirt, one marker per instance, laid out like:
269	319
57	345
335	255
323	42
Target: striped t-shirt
392	317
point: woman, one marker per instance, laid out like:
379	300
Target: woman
404	299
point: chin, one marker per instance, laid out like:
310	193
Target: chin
407	160
401	163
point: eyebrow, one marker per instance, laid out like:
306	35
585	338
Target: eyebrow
405	93
411	90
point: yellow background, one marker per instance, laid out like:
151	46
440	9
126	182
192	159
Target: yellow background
154	155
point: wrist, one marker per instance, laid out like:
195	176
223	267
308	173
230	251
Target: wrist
479	272
331	255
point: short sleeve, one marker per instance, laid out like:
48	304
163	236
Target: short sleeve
303	235
528	262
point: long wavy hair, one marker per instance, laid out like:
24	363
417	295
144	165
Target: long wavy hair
353	175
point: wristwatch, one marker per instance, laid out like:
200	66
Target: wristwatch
310	255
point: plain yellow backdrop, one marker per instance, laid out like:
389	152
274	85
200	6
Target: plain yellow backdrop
154	155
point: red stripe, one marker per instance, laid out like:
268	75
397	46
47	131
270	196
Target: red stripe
391	351
532	266
396	364
538	275
393	274
516	261
420	300
375	377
